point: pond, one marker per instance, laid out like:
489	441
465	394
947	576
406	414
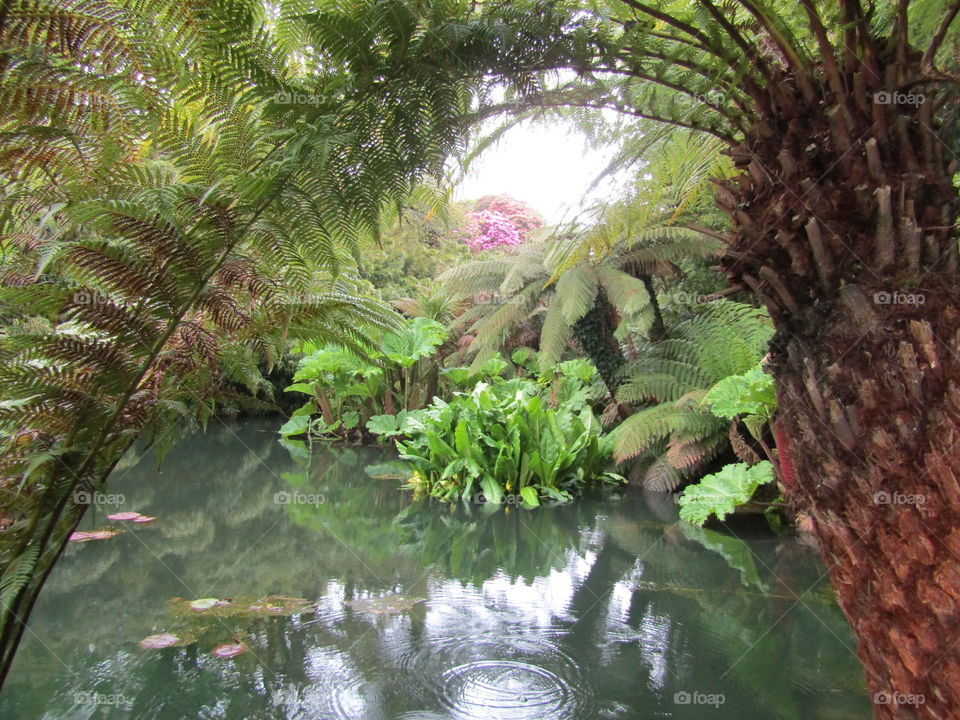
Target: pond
353	601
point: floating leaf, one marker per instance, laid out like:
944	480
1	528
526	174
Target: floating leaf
229	650
124	516
204	603
154	642
240	607
386	605
93	535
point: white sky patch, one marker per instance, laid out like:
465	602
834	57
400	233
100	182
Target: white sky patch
549	167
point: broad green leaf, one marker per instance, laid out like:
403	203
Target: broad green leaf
491	490
296	425
529	496
305	388
719	494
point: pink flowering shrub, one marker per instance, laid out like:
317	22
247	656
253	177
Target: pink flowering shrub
499	221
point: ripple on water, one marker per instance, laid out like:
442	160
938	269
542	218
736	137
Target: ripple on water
505	689
508	677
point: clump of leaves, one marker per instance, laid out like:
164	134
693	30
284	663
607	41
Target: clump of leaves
719	494
507	439
688	388
347	388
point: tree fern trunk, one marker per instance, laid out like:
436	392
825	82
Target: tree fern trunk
658	330
844	220
872	437
594	332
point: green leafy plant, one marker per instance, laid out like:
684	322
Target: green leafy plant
751	392
676	434
721	493
347	387
503	440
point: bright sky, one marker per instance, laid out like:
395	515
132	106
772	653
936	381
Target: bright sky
548	167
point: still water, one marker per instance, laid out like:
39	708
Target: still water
352	601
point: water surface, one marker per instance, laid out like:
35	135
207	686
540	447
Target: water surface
602	608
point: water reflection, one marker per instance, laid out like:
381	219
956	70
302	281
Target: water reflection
601	608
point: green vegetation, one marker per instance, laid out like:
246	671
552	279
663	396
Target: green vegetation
515	440
197	196
720	493
347	388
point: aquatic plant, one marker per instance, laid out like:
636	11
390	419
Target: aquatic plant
504	441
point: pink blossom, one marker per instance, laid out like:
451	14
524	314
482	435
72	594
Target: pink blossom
499	221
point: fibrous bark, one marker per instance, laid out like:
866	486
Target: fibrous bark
845	220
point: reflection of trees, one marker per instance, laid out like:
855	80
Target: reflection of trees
760	645
610	596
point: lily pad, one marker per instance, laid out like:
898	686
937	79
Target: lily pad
229	650
386	605
154	642
83	536
204	603
274	605
124	516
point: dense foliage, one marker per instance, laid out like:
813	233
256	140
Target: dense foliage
347	388
188	190
507	440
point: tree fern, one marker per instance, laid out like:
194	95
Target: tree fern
671	378
183	235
